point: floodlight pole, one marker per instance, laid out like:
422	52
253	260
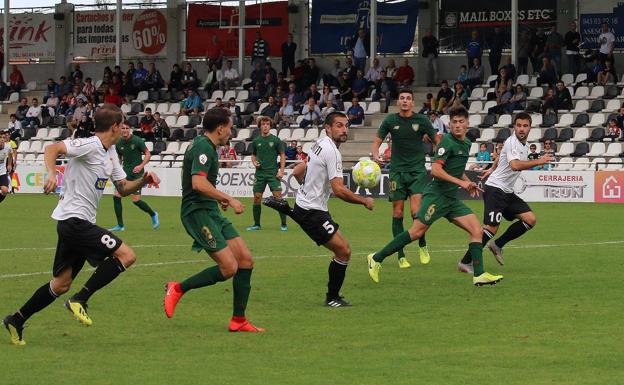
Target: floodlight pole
514	31
5	39
373	31
117	33
241	37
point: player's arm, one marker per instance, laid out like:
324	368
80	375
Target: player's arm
280	172
9	166
342	192
519	165
51	153
490	170
437	171
375	149
126	187
207	189
146	159
299	172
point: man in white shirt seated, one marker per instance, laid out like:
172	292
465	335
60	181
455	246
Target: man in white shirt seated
33	115
311	114
230	77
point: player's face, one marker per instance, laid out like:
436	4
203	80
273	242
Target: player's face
225	132
522	128
458	126
406	102
125	131
339	129
265	127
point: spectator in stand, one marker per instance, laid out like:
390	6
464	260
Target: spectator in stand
115	84
77	82
291	151
282	84
534	155
495	154
289	47
620	117
613	130
113	98
231	78
4	88
76	114
384	88
109	73
350	70
607	44
153	79
374	72
84	128
360	86
311	114
428	104
460	97
257	75
327	98
538	43
355	113
62	88
430	52
548	73
510	68
595	69
573	53
53	101
502	100
147	125
127	88
295	99
549	103
463	74
235	112
391	68
548	150
437	123
524	51
189	77
161	128
332	77
344	89
268	69
14	127
518	100
360	47
311	74
605	77
51	84
117	71
285	114
76	73
64	108
260	50
298	74
474	49
89	89
33	115
175	79
256	93
16	80
445	94
554	43
214	79
139	76
503	78
482	156
404	75
497	43
219	104
271	109
312	93
214	52
191	104
476	74
300	155
269	88
22	109
226	152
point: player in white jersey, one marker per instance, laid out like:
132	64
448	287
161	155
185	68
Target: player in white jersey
499	198
92	162
6	166
319	178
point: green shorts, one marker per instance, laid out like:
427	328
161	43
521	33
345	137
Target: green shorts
405	184
435	206
130	177
262	180
209	229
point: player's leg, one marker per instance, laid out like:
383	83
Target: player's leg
4	186
423	251
526	221
136	199
118	212
337	269
398	195
258	189
278	195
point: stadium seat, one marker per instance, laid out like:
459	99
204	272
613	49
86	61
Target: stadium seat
564	135
183	147
596	106
174	108
273	131
322	134
373	108
182	121
29	158
193	121
215	94
473	134
614	164
581	120
42	133
475	107
24	146
490	79
549	120
445	119
162	108
581	93
567	79
189	134
612	106
228	94
487	134
248	149
307	147
477	94
53	134
284	133
171	121
596	135
580	134
262	106
534	135
564	164
596	92
486	107
297	134
611	92
126	108
243	134
141	97
488	121
242	96
581	106
536	120
310	135
581	149
536	93
172	148
239	148
503	121
598	164
39	161
597	149
135	108
153	96
149	146
502	135
474	149
581	164
151	106
596	120
167	161
566	149
581	78
297	122
522	80
614	149
474	120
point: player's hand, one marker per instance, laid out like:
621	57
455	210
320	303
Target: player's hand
137	169
377	158
236	205
369	203
50	183
546	158
280	174
472	188
9	169
256	164
485	174
151	178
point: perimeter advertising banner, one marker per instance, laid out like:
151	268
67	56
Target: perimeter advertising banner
458	18
204	20
31	35
590	27
610	186
143	33
335	22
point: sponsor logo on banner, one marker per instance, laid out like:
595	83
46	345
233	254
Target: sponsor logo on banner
555	186
31	35
610	186
590	27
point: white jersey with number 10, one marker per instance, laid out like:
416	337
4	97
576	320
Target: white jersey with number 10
504	177
324	164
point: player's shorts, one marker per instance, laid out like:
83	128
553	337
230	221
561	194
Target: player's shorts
405	184
130	177
5	180
80	241
317	224
209	229
499	204
263	179
435	206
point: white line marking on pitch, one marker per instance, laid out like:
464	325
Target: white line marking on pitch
168	263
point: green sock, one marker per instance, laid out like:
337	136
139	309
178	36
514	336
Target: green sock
422	242
256	214
476	253
399	242
118	210
283	218
207	277
397	228
145	207
242	286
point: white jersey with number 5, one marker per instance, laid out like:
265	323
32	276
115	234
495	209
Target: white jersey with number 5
324	164
504	177
5	153
90	166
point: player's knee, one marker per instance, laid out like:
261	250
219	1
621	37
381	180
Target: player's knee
397	212
530	219
344	253
60	286
245	261
126	256
257	199
491	229
228	269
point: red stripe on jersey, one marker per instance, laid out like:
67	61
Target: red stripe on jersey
440	161
202	173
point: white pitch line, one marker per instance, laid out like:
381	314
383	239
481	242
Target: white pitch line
183	262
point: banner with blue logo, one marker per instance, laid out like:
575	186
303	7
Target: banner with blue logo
590	27
335	24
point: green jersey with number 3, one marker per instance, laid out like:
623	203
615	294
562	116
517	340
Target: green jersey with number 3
200	158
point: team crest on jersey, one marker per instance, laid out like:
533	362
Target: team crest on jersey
415	126
203	159
100	183
396	127
441	151
430	210
212	242
271	144
75	142
132	146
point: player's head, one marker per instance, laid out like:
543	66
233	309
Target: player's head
3	137
458	123
522	125
108	118
337	127
406	100
265	123
533	148
126	131
217	125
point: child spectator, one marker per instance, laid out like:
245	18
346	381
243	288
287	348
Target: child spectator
533	155
482	156
613	130
463	73
227	153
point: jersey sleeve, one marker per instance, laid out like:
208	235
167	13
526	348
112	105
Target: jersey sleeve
118	171
253	148
333	163
280	146
78	147
383	130
443	151
141	145
202	160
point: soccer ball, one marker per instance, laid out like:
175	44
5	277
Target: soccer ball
366	173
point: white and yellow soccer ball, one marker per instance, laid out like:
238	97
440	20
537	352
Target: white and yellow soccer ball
366	173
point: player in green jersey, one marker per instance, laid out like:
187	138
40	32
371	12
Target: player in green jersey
266	147
408	175
134	156
440	200
210	230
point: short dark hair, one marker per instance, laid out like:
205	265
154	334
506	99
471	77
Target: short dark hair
215	117
329	120
522	116
406	91
148	109
107	116
458	111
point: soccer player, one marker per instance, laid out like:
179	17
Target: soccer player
92	161
210	230
134	156
6	166
499	198
408	176
319	177
440	200
266	147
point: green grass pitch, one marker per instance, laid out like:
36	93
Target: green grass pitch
555	319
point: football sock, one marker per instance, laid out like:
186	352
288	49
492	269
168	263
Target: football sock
514	231
487	235
39	301
422	242
397	228
207	277
283	218
118	210
2	196
399	242
241	283
102	276
256	214
145	207
337	270
476	253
